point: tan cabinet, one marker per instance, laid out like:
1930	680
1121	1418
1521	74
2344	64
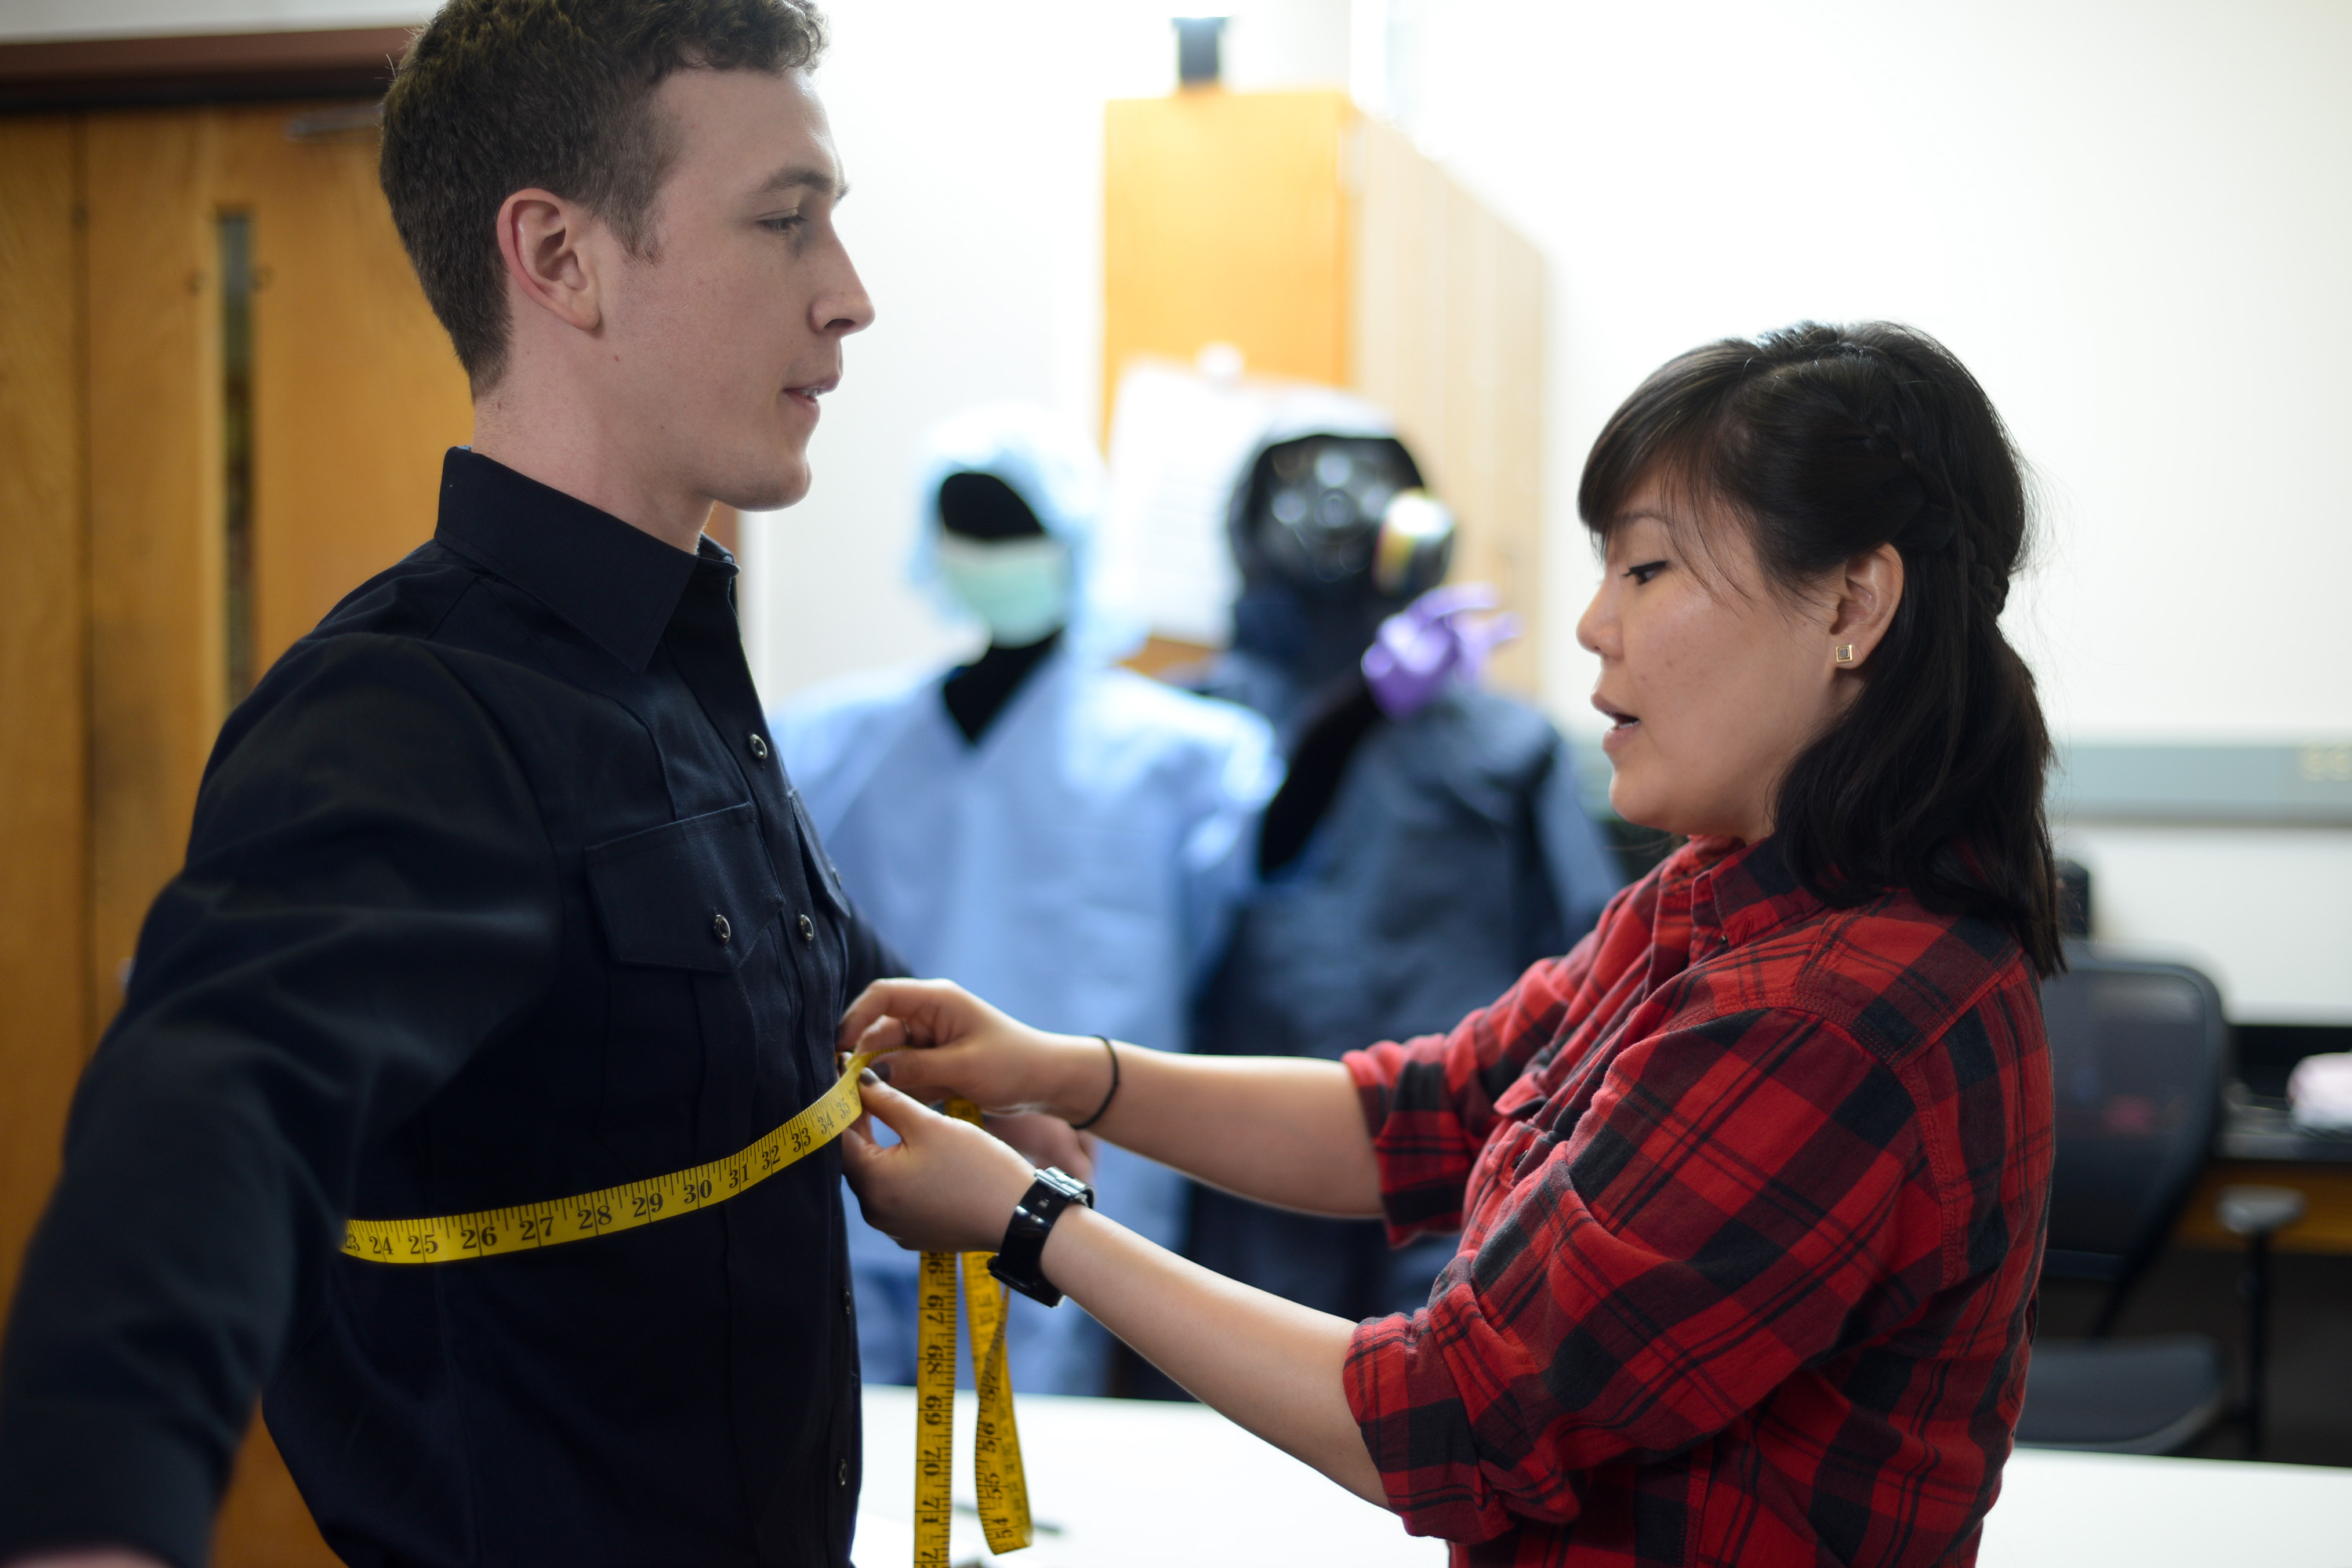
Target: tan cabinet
223	402
1317	241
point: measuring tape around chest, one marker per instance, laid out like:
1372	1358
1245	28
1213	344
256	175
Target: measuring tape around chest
998	1479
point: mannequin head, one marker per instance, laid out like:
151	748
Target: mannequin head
1332	533
999	561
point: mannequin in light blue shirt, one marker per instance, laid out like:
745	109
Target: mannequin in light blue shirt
1062	836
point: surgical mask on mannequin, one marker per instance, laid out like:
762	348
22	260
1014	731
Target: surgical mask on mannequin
1020	588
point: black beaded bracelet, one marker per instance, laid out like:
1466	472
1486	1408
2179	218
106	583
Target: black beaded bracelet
1098	1116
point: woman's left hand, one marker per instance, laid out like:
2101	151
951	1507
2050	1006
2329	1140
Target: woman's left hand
945	1187
1273	1366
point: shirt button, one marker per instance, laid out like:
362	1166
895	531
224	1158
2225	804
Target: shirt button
759	748
719	928
808	929
842	1476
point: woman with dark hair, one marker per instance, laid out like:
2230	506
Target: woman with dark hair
1751	1184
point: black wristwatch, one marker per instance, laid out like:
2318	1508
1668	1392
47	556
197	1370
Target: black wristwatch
1019	1262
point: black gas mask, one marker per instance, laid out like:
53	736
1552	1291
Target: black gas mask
1343	517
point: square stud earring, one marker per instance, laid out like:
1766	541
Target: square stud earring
1844	653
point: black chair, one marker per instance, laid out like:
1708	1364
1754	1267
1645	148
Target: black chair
2138	1052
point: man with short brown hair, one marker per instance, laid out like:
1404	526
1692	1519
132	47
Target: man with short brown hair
498	894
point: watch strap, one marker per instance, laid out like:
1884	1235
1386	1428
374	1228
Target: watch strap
1020	1261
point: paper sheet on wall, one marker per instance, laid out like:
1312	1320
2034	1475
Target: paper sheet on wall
1178	438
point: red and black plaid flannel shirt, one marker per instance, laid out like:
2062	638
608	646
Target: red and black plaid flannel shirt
1751	1193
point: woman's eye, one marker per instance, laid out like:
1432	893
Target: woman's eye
1645	571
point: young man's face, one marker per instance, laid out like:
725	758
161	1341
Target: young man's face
728	333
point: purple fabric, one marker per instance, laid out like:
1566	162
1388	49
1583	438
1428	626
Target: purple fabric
1431	641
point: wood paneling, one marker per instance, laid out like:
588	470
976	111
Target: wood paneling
355	395
356	391
157	671
1224	220
1448	335
45	1025
1160	655
1399	310
1327	249
76	73
2327	1222
264	1523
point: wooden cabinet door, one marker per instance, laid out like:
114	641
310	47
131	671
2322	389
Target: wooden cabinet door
1327	249
347	397
187	486
45	1025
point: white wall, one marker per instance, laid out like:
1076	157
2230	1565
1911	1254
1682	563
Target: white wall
975	214
973	138
2263	910
2129	218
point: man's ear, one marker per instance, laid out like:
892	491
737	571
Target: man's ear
1869	589
543	240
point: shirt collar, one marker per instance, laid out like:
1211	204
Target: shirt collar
1742	890
619	585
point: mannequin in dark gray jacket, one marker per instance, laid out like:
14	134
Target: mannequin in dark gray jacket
1412	866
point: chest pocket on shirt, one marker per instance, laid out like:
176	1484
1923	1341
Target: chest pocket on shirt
822	871
694	894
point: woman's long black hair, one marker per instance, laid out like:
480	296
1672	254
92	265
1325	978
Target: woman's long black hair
1828	442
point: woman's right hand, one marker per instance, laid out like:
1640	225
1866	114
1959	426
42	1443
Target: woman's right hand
944	1040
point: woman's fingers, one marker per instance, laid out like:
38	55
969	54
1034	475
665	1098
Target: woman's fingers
946	1187
870	1005
885	1033
895	1110
932	1012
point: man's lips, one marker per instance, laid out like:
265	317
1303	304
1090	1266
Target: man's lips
809	392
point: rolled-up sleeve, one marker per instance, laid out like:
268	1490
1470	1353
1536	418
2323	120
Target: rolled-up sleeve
1740	1199
1429	1102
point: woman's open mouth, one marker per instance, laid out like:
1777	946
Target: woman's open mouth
1622	724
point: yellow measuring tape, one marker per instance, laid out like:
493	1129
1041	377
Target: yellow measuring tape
996	1475
1004	1490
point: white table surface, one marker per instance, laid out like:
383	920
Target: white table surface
1139	1484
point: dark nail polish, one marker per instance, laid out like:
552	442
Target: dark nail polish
881	1069
869	1075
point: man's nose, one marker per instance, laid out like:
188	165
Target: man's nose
846	307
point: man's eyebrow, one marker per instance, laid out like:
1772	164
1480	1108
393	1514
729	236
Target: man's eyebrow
805	176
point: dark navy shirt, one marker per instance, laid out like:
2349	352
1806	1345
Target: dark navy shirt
496	893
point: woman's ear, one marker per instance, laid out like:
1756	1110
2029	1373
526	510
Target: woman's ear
1868	588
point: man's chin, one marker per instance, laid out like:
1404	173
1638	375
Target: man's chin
783	486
